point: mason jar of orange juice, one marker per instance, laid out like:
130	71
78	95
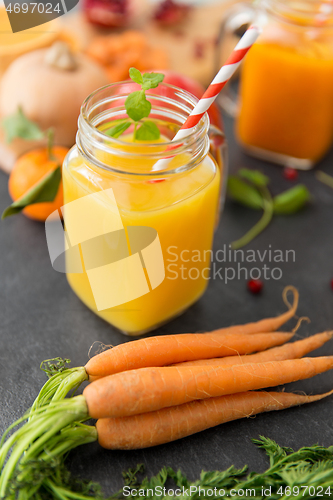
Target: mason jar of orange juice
285	109
139	238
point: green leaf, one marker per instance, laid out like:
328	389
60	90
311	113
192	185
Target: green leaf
136	76
18	125
292	200
137	106
44	191
148	131
244	194
261	224
152	80
119	129
255	176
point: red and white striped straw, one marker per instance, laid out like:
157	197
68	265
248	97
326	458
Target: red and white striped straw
220	80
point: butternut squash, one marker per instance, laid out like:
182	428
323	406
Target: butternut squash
50	86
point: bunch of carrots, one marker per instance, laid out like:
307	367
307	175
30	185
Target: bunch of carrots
159	389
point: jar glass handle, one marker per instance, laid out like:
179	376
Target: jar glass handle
219	151
234	24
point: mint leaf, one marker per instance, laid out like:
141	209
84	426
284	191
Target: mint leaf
137	106
119	129
151	80
244	194
45	190
292	200
18	125
148	131
136	76
254	176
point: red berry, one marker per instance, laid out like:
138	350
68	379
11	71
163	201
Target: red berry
290	174
255	286
332	284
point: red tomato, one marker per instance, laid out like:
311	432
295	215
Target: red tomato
195	88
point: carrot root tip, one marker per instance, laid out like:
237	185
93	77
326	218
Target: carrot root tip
300	321
295	293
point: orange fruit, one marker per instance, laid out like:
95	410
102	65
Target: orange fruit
28	170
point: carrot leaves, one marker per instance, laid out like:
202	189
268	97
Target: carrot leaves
53	366
291	474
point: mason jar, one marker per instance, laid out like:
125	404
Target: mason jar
131	226
284	113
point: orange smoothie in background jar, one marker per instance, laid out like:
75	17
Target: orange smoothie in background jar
179	203
285	111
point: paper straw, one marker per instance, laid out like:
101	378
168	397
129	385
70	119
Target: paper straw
220	80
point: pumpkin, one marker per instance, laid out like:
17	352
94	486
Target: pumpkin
50	86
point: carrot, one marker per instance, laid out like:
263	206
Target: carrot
294	350
169	424
149	389
170	349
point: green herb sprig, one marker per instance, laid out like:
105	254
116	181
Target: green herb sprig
250	188
138	108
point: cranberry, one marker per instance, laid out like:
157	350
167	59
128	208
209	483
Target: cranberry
290	173
255	286
332	284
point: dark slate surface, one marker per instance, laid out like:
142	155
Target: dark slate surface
42	318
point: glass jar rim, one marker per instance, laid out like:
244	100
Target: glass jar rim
90	136
303	13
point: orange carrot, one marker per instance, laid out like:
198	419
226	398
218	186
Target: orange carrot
287	351
149	389
169	424
169	349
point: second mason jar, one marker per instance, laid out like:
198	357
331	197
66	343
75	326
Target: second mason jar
139	237
285	111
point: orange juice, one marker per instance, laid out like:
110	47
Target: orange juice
139	234
182	209
287	98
